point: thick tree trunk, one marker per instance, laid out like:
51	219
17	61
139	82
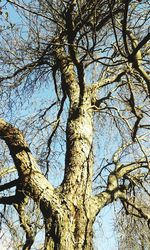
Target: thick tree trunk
68	210
69	229
79	158
70	225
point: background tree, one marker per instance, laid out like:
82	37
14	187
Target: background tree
74	79
133	233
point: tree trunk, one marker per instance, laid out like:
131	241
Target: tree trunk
69	228
79	158
68	211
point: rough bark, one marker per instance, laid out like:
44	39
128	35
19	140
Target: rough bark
68	221
66	210
69	211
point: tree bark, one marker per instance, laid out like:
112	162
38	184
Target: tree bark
66	210
69	229
69	211
70	225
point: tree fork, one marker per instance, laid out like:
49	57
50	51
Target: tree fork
68	222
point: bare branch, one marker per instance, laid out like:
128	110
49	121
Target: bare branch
25	223
105	82
5	171
9	185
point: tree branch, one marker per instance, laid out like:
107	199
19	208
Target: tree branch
137	208
136	56
9	185
139	46
11	200
33	183
114	190
6	171
25	223
104	82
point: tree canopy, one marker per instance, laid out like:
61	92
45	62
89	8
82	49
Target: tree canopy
74	124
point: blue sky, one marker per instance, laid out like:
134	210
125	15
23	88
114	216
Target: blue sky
105	236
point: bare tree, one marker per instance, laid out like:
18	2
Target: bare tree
75	84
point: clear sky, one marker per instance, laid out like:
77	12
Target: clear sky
105	235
